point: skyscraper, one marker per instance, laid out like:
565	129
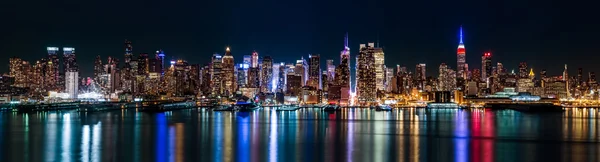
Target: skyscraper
216	76
461	57
53	74
71	72
161	58
242	75
128	52
266	74
365	80
379	67
486	66
420	76
228	73
254	61
330	72
523	73
282	77
314	72
301	69
20	70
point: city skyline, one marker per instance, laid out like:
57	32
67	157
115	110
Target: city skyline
88	70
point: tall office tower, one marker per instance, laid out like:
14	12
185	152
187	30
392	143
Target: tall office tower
181	78
476	75
39	76
500	69
128	52
266	74
565	78
216	76
54	74
579	80
111	77
247	60
275	77
98	69
389	75
330	72
591	77
194	75
523	73
161	58
300	70
314	72
293	84
379	67
324	85
205	82
253	77
446	78
420	76
281	79
461	58
365	80
343	74
242	75
254	60
228	73
143	64
486	66
17	71
71	72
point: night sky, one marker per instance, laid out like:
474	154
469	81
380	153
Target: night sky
545	34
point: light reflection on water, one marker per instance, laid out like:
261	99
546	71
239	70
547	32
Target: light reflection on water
303	135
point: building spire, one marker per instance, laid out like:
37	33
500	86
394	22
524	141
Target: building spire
461	35
346	40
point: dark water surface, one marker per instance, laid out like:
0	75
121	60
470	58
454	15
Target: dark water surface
305	135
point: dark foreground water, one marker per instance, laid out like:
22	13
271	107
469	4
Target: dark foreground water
304	136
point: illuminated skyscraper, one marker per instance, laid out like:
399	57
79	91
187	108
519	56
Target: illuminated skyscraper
486	66
282	76
241	75
566	80
161	58
389	75
314	72
254	61
216	75
523	73
379	67
330	72
228	73
342	74
461	57
71	72
266	75
20	70
128	52
365	80
53	74
420	76
301	69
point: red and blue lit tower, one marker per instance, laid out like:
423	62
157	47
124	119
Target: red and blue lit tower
461	57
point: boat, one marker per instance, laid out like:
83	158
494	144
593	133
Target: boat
287	108
223	108
332	108
166	106
442	105
244	106
383	108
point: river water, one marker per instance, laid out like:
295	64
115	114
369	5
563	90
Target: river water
305	135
